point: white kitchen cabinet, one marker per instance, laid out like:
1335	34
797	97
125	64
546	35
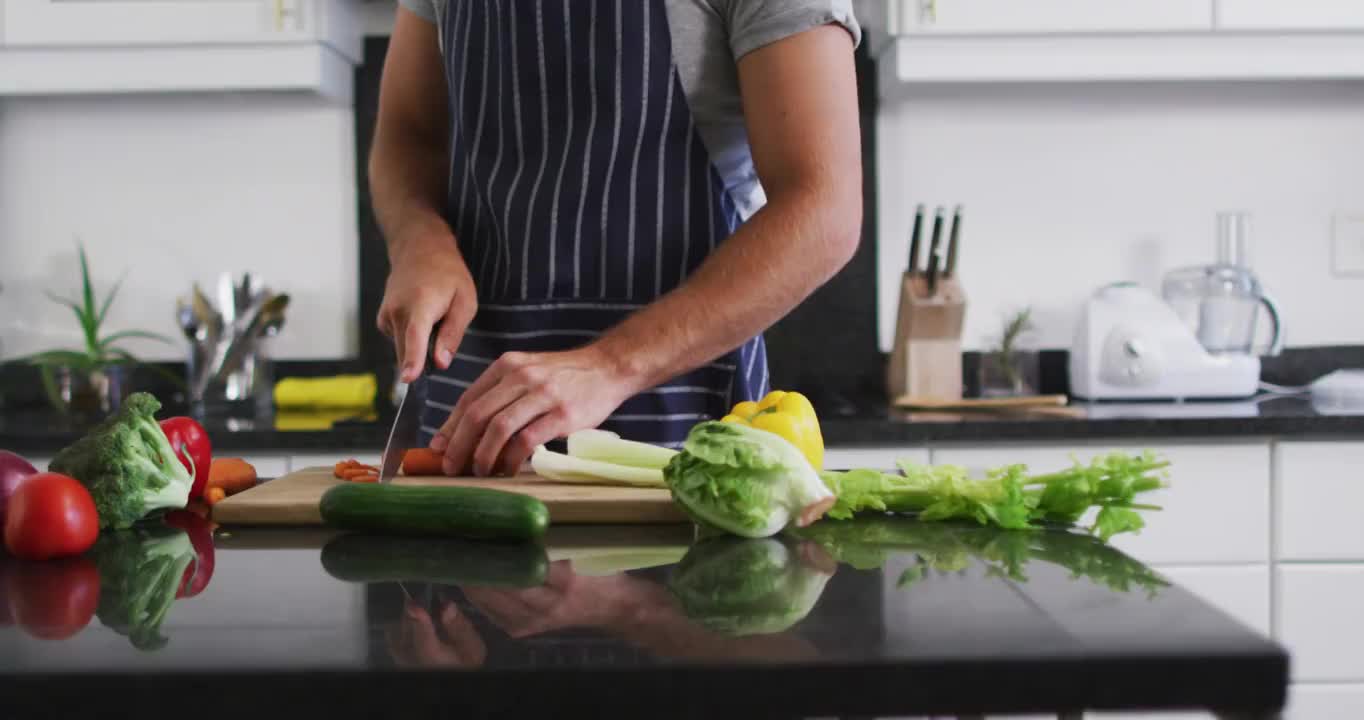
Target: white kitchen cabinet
1241	591
1296	15
1048	16
1325	702
1319	491
878	458
1319	618
59	47
1207	482
88	23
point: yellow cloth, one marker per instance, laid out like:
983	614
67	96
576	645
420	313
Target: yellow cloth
319	419
340	391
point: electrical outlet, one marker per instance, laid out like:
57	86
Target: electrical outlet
1347	245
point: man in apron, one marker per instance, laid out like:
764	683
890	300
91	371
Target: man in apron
599	205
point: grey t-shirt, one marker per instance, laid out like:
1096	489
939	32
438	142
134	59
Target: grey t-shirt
708	39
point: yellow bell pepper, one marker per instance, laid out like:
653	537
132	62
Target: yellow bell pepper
788	414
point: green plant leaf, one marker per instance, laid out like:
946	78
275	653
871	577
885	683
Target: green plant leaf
128	359
109	300
82	318
87	290
108	342
61	358
54	396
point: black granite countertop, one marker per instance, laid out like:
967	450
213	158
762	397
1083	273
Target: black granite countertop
872	617
1295	417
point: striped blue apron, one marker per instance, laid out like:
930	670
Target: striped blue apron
579	191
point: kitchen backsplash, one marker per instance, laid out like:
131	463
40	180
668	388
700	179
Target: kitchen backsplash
1067	187
175	189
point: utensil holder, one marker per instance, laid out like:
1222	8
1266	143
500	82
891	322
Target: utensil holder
926	358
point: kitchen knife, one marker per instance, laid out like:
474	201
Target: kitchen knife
914	238
403	435
952	238
934	253
406	426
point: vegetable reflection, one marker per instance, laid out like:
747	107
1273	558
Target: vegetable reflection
751	586
944	547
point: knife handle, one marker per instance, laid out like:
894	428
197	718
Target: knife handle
950	268
914	238
934	252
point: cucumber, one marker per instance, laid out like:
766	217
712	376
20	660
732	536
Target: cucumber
440	561
477	513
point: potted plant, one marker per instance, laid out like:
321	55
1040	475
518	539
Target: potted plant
90	380
1008	370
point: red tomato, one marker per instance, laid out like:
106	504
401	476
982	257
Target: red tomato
49	516
54	600
192	447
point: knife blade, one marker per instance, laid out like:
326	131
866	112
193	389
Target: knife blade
403	435
952	237
914	238
934	252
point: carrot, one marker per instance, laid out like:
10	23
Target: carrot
355	472
347	468
368	476
233	475
423	461
214	495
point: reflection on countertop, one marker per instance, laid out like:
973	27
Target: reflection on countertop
854	604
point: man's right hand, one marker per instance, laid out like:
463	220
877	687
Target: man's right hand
429	285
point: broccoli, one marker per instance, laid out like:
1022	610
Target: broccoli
139	574
128	465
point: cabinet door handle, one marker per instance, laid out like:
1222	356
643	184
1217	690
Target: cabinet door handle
928	12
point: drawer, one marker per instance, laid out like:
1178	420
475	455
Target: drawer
1319	495
875	457
1325	702
1241	591
1207	482
1320	621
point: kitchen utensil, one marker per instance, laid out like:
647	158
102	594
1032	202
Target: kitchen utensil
934	248
244	341
293	499
1220	302
953	237
403	435
914	238
915	402
1130	345
227	300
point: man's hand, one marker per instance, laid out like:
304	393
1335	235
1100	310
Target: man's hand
429	285
416	642
526	399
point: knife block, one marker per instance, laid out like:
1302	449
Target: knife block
926	358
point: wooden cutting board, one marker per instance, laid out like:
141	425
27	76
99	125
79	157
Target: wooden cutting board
292	500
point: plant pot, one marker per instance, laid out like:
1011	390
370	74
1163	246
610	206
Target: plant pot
1009	374
93	393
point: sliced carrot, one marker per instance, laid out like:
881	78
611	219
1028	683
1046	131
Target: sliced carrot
367	477
423	461
214	495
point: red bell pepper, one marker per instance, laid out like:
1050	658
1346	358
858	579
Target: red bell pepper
192	447
200	531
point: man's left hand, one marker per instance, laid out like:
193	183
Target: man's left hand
524	400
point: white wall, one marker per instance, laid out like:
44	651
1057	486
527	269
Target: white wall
175	189
1070	187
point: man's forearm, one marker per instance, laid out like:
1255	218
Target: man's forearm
771	264
408	179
